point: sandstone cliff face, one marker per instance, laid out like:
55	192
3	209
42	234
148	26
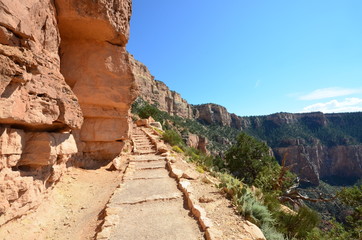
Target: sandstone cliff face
37	107
41	113
96	65
316	162
33	92
156	92
213	114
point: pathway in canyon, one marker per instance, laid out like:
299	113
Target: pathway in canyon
144	200
148	204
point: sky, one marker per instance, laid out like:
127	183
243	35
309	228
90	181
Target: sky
255	57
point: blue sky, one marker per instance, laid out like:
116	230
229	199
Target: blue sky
254	57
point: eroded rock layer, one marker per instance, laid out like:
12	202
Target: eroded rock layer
157	92
316	145
96	65
47	121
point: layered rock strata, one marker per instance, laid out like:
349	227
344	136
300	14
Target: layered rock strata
157	92
318	161
311	160
37	108
47	120
96	66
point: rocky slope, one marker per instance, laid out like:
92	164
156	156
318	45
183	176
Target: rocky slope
65	107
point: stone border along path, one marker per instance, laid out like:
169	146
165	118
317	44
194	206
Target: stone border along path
148	204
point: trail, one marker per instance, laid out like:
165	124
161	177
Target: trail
70	211
143	202
148	204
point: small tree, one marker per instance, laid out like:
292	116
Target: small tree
247	157
352	197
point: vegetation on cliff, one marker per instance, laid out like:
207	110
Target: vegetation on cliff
332	130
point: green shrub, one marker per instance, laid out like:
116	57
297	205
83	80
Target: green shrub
252	209
335	232
172	137
247	158
145	110
298	225
245	201
200	169
352	197
271	233
177	149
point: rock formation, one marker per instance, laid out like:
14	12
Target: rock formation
213	114
198	142
311	159
96	66
156	92
46	92
318	161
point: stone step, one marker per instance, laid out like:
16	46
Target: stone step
144	144
145	152
136	191
146	158
150	165
155	173
145	147
161	220
143	141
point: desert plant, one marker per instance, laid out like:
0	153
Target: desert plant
298	225
173	138
271	233
177	149
245	201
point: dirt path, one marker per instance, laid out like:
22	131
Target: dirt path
70	211
148	205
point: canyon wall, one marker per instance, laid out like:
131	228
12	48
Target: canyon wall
156	92
59	108
96	65
318	146
314	162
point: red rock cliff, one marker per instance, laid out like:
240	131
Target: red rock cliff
66	87
95	64
156	92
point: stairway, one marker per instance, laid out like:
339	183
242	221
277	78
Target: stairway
148	204
142	144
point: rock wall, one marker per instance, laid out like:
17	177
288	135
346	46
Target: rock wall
96	66
316	162
213	114
47	121
156	92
